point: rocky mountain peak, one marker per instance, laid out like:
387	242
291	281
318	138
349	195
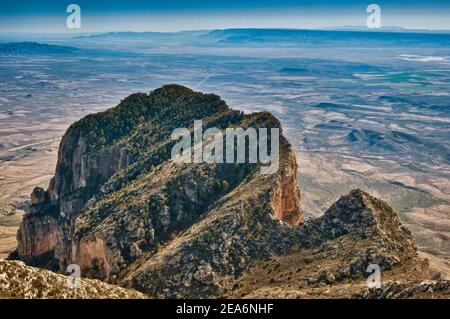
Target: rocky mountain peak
360	215
363	212
117	196
173	92
125	212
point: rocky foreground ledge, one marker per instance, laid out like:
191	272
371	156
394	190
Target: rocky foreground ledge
126	214
19	281
334	252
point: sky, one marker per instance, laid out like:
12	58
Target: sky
49	16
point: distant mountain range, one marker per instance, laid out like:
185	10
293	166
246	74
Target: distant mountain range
27	48
383	29
345	36
327	37
252	37
42	37
142	34
278	30
273	31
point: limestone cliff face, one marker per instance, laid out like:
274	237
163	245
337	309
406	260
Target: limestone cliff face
44	235
46	232
77	169
116	196
39	232
92	255
286	198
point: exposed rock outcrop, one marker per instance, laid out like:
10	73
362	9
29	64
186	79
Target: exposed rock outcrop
240	228
362	216
286	198
39	196
408	289
19	281
117	197
333	257
38	249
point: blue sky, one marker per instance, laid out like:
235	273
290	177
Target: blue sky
169	15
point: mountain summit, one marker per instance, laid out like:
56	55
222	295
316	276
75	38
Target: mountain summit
117	199
126	213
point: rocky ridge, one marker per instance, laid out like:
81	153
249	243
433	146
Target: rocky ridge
117	198
334	253
126	214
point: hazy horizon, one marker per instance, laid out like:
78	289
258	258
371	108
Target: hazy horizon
341	28
153	16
